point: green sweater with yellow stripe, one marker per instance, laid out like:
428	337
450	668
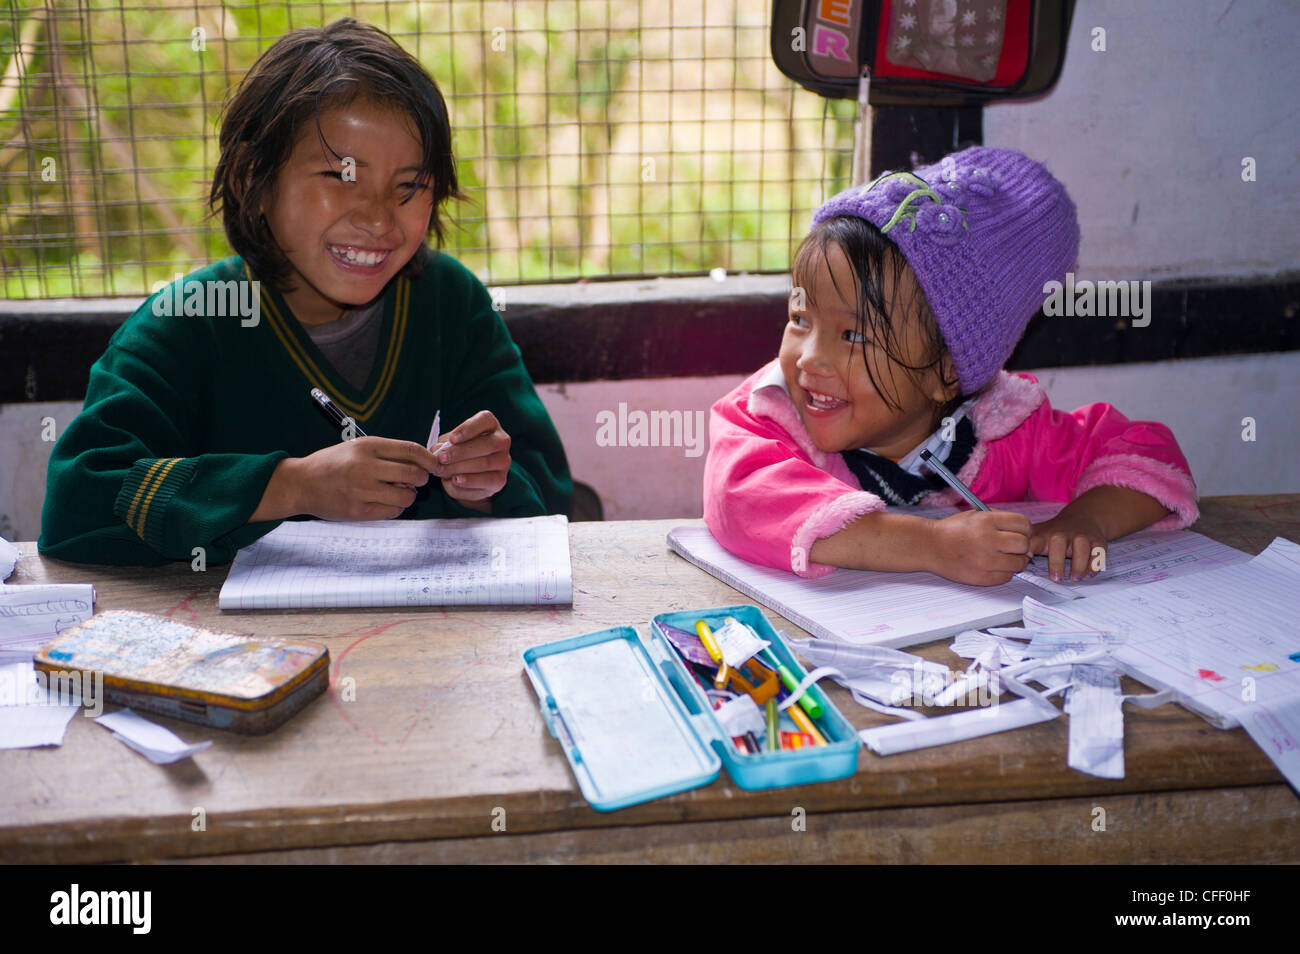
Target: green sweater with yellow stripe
187	415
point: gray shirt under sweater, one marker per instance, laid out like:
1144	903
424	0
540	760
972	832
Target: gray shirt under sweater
350	341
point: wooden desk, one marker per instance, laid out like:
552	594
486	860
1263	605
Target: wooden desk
445	736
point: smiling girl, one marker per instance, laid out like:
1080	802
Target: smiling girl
910	295
199	431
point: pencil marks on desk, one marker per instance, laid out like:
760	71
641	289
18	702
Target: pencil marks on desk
184	605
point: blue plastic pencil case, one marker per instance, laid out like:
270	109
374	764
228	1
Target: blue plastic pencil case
636	726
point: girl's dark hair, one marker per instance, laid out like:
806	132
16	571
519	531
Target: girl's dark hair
870	252
303	73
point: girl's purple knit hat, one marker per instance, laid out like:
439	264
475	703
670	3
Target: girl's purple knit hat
983	230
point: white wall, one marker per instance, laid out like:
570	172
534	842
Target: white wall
651	482
1149	136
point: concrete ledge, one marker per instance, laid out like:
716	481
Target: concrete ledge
687	327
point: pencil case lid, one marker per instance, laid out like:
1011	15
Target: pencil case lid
625	732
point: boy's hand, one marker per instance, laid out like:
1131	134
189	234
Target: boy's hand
1074	534
980	547
368	478
477	463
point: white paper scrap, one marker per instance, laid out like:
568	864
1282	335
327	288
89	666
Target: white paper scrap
972	644
1276	730
888	676
434	432
8	559
1094	704
24	727
738	642
29	716
987	720
159	745
740	715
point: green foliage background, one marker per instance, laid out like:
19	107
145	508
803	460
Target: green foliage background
595	138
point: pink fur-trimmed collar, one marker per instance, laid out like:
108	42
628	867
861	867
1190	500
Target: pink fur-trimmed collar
998	411
1006	403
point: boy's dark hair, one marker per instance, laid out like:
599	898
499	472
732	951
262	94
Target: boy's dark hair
869	252
302	74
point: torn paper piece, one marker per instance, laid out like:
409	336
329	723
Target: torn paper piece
740	715
1276	730
1018	633
25	727
1094	704
159	745
18	685
889	676
29	715
804	684
940	730
1049	642
990	652
969	686
9	555
738	642
973	644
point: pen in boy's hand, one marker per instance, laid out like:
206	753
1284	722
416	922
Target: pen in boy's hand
344	422
337	416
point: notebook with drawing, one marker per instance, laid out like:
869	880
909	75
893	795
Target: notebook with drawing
1224	642
465	562
904	609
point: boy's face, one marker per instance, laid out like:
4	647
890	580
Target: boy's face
821	358
344	225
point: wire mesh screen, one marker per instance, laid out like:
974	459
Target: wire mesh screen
595	139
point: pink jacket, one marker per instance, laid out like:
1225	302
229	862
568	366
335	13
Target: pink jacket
770	494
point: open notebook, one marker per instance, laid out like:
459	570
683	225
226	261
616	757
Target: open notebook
321	563
904	609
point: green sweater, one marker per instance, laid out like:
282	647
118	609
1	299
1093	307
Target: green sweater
186	417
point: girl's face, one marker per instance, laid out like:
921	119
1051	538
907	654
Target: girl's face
347	227
821	358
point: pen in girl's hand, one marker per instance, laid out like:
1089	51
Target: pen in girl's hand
1026	575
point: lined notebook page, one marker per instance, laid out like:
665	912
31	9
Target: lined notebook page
466	562
1226	640
904	609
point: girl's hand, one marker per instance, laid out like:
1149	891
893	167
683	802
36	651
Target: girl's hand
983	547
477	463
1075	534
367	478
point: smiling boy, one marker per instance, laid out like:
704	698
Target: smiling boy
199	433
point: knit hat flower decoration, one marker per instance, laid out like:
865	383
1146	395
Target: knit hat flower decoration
983	231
